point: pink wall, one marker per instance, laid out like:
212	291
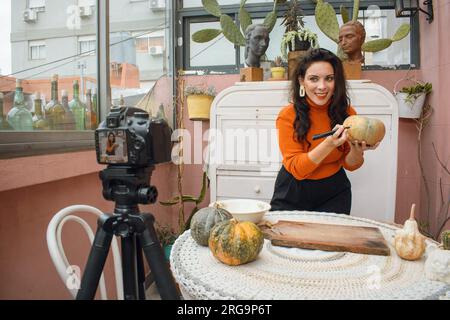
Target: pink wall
435	68
32	189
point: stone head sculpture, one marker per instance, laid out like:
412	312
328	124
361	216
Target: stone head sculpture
351	37
256	43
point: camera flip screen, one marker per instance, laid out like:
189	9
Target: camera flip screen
113	146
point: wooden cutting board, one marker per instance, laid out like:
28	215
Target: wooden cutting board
327	237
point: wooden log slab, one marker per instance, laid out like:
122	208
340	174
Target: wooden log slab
327	237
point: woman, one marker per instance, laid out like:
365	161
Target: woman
111	145
312	176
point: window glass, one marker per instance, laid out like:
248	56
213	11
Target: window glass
36	4
141	74
198	3
53	57
218	51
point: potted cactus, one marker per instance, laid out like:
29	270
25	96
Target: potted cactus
199	100
296	38
277	69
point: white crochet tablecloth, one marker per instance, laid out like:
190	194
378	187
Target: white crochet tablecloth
292	273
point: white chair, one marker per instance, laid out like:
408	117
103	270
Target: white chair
69	274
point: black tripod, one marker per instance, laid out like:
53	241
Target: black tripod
128	186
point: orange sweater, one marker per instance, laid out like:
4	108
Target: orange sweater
295	154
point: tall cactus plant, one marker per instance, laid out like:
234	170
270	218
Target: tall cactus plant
327	22
228	28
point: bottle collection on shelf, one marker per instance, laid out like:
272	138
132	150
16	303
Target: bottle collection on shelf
55	115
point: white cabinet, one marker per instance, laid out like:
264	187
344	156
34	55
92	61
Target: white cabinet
244	157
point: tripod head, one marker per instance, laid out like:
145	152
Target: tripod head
128	186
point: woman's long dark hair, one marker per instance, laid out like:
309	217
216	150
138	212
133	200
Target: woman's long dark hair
337	111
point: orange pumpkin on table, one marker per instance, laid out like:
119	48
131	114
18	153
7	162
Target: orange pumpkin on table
366	129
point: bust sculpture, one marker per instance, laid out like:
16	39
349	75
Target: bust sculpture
256	43
351	37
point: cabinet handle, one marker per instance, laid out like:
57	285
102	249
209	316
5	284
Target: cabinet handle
257	189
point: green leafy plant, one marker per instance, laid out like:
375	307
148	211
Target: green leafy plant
327	22
289	38
228	28
413	92
199	90
293	17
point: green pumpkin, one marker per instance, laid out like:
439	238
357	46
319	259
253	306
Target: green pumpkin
204	220
235	243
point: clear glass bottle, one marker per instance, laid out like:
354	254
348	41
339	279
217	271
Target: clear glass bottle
4	125
19	117
39	122
161	114
77	107
69	119
54	111
91	116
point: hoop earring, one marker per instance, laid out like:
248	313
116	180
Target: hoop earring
302	91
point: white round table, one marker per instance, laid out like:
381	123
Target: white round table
292	273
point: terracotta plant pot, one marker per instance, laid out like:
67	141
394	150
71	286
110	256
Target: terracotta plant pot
293	59
278	73
199	106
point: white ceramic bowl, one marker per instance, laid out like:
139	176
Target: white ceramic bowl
245	209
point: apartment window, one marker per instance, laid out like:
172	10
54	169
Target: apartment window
87	45
149	42
86	3
37	50
220	54
38	5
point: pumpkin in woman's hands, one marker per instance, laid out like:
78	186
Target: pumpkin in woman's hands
366	129
204	220
235	243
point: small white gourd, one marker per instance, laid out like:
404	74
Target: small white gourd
409	243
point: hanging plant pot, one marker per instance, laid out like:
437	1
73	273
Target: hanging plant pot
199	106
410	104
410	108
300	45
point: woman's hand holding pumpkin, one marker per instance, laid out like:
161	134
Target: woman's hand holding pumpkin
362	146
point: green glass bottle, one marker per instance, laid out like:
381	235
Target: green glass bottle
39	122
91	116
69	119
19	117
94	101
54	111
4	125
77	107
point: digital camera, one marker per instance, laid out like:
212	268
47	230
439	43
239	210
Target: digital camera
130	137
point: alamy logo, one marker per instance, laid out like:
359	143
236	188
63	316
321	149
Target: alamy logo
374	279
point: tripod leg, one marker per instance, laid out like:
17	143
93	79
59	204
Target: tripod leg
129	270
140	270
96	262
157	262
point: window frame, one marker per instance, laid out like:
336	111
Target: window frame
259	10
37	44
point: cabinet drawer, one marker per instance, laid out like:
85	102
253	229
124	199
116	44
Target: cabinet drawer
245	187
